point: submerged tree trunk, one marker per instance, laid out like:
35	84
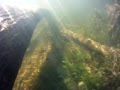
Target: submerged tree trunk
16	29
93	45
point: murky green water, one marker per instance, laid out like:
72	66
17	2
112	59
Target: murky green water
76	54
75	46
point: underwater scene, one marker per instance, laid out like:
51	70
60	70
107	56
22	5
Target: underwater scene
59	45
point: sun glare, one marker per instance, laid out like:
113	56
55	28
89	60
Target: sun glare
27	4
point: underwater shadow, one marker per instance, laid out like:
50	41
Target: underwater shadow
49	77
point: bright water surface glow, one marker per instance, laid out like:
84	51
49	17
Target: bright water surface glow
26	4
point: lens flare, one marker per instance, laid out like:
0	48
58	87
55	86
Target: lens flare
26	4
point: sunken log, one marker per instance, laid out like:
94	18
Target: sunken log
89	44
16	29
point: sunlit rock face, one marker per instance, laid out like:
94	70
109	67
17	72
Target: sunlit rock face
16	28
